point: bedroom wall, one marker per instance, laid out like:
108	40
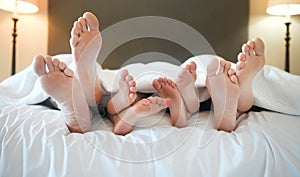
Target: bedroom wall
224	25
272	29
32	39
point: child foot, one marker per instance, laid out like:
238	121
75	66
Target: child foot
186	86
86	43
167	88
143	108
59	83
125	96
250	61
224	90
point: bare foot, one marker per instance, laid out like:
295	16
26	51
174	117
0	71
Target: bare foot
59	83
125	96
167	88
251	61
186	86
86	43
143	108
223	87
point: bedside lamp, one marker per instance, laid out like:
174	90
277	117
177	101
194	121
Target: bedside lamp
18	6
285	8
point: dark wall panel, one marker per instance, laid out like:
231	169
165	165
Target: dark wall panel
224	24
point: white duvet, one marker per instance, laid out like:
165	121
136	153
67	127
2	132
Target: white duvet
36	142
273	88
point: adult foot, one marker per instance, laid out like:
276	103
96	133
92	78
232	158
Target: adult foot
86	43
59	83
250	61
186	86
143	108
125	96
222	85
166	88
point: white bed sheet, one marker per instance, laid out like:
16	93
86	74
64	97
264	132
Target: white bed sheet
36	142
273	89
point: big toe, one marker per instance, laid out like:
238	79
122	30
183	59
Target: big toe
156	84
39	65
193	66
91	20
213	67
259	46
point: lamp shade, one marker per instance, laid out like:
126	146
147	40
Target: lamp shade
20	6
283	7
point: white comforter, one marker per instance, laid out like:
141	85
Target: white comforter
273	88
36	142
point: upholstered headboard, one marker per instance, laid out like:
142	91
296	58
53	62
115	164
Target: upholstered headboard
222	24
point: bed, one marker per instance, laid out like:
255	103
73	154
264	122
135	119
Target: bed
36	142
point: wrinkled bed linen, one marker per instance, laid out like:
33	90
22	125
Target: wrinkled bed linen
36	142
273	88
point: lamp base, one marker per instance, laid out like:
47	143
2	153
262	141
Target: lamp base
287	45
14	34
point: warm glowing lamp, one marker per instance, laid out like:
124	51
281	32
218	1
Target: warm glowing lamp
22	7
285	8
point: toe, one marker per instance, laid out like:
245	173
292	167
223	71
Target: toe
161	79
259	46
245	49
240	65
227	65
173	85
75	34
74	41
76	29
156	84
212	67
193	66
129	78
222	67
39	65
91	20
124	74
251	47
234	79
165	80
188	67
82	22
55	64
231	72
49	63
241	57
250	44
133	89
170	83
62	66
132	97
69	72
132	83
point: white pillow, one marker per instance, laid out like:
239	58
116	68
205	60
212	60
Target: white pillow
144	74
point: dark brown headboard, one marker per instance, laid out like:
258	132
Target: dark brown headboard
224	24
